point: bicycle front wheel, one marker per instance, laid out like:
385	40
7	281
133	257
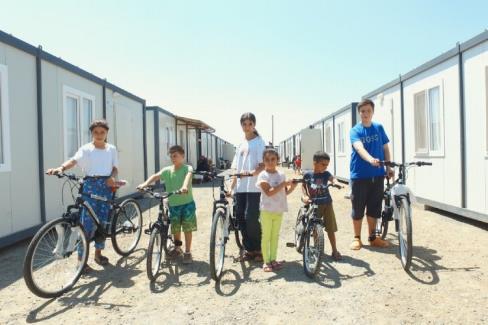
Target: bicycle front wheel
55	258
157	245
313	249
405	234
126	227
217	244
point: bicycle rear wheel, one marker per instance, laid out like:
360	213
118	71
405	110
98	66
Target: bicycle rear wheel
217	244
405	234
313	249
55	258
155	252
126	227
382	225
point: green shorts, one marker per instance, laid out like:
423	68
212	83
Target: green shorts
183	218
326	211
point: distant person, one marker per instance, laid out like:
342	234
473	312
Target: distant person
370	147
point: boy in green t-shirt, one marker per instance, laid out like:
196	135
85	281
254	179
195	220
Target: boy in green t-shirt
182	209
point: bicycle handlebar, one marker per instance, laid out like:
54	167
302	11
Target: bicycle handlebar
214	174
157	195
414	163
315	186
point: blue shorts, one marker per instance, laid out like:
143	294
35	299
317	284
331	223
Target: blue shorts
183	218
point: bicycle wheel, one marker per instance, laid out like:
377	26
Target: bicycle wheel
405	234
238	239
299	227
383	225
126	227
217	244
157	245
313	249
55	258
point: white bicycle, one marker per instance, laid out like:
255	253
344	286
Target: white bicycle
397	206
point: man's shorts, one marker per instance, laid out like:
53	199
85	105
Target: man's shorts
183	218
326	212
367	193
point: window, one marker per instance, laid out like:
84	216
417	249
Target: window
78	115
486	112
428	122
341	138
168	139
328	139
4	121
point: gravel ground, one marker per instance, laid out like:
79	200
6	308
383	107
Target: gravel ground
448	282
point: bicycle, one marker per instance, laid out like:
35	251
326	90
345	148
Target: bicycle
161	240
309	232
397	206
59	251
224	221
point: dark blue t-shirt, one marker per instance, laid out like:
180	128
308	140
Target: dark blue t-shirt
373	139
322	196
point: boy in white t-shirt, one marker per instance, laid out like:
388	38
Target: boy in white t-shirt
274	189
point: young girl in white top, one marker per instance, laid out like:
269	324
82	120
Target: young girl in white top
274	189
99	163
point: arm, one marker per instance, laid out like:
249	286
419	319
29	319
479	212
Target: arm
358	146
390	172
68	164
290	188
113	174
152	179
186	182
306	195
270	191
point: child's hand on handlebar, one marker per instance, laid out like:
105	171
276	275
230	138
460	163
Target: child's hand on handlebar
184	190
55	171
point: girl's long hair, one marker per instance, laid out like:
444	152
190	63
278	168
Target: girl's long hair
249	117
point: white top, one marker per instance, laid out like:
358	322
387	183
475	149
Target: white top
276	203
248	156
96	162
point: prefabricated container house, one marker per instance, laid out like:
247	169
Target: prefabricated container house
161	135
46	106
438	113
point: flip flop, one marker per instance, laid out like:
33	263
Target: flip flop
277	265
268	268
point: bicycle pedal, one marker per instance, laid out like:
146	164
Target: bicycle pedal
290	245
147	231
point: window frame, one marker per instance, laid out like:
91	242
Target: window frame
428	152
328	140
80	96
6	165
341	136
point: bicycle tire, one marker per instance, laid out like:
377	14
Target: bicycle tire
29	278
405	242
154	258
316	228
299	237
218	221
118	227
384	227
238	240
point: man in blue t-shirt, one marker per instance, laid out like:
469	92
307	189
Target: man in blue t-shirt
370	147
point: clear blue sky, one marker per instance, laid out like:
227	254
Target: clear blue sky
213	60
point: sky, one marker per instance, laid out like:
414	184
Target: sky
214	60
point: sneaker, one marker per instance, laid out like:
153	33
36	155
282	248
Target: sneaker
187	258
378	242
174	253
356	244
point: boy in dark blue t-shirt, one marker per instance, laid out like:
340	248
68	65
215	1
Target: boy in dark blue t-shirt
320	176
370	147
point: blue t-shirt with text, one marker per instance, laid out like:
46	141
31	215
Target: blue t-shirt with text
321	196
373	139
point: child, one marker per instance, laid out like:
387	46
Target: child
99	162
320	176
274	190
182	209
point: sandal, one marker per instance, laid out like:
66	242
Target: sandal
356	244
267	267
101	260
277	265
336	256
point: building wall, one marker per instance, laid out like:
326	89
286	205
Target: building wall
329	143
446	170
19	182
150	142
476	108
192	147
166	138
343	158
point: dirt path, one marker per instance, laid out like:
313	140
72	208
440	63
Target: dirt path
448	284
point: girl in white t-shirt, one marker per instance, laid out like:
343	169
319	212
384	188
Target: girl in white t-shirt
99	163
274	189
249	160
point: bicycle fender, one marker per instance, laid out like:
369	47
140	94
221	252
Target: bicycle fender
400	190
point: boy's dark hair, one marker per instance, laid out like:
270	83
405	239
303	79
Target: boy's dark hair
99	123
271	151
365	102
177	148
321	155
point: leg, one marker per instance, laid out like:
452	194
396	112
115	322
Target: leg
373	211
266	227
241	202
188	223
188	239
275	235
358	200
253	227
